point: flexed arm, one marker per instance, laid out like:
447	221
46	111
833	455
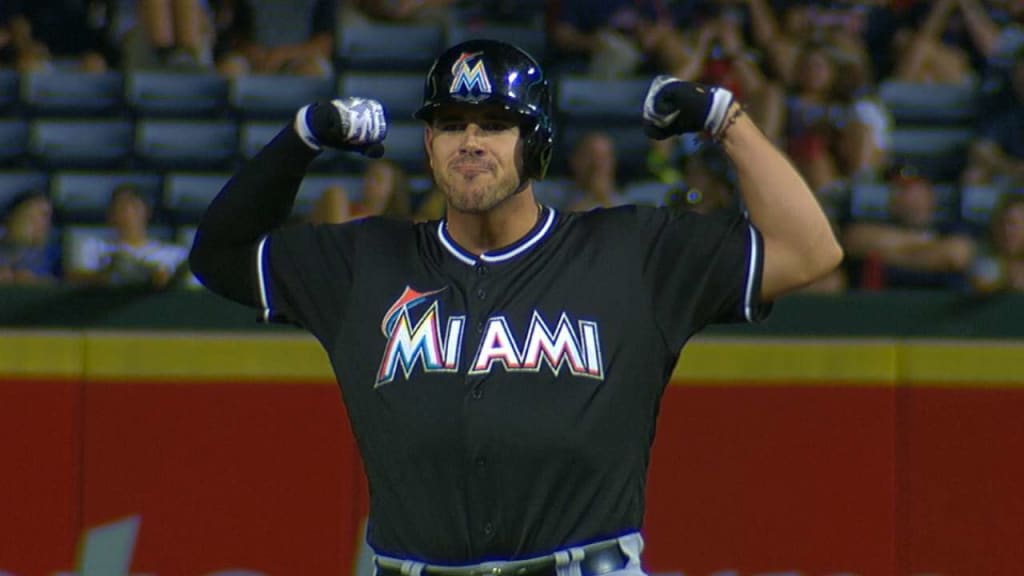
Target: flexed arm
799	246
259	197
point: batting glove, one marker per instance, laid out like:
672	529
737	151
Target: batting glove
674	107
352	124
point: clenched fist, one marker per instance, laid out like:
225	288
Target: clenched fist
674	107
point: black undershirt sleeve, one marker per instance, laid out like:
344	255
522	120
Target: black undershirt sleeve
257	200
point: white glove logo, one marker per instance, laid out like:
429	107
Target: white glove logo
650	114
363	119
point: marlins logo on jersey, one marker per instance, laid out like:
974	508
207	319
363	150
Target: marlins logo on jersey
421	342
469	72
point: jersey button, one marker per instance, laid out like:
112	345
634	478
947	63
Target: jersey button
481	270
488	529
481	293
479	327
477	393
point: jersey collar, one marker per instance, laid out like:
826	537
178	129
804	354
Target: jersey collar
540	230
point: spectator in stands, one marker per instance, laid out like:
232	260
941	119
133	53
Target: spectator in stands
815	118
177	34
924	57
616	36
912	249
997	32
707	183
719	55
27	253
37	36
783	38
404	10
276	37
332	207
132	257
385	191
997	156
1001	266
592	167
866	136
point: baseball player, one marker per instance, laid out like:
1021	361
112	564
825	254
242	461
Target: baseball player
502	367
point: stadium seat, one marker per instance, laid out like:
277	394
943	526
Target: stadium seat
13	141
152	93
401	93
255	135
373	46
71	93
272	96
404	145
16	182
579	97
8	89
82	197
934	104
80	143
870	201
647	192
553	192
313	186
978	202
186	195
938	152
532	39
186	144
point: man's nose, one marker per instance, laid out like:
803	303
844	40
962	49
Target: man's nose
470	140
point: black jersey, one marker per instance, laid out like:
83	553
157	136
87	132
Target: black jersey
505	404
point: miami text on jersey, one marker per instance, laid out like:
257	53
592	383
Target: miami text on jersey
421	343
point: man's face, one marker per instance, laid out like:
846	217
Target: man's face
475	154
1010	230
128	213
594	157
30	222
914	202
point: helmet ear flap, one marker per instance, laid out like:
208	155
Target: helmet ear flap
538	146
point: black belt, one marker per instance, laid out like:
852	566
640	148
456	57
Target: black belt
597	559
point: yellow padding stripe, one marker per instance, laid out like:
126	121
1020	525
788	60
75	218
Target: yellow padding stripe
41	354
204	356
793	361
962	364
762	361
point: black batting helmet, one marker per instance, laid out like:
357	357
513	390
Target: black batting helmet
493	72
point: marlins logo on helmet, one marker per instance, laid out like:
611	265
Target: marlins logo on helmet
466	77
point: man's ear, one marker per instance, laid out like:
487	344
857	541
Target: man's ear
428	138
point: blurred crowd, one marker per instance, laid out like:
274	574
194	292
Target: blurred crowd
808	73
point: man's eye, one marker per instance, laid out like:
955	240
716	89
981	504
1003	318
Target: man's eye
452	126
495	126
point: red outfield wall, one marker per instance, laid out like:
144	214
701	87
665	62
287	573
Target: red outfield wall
174	455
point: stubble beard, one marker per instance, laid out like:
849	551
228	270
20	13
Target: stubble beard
473	197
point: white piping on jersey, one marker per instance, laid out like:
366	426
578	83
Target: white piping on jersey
442	234
262	279
499	256
755	255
